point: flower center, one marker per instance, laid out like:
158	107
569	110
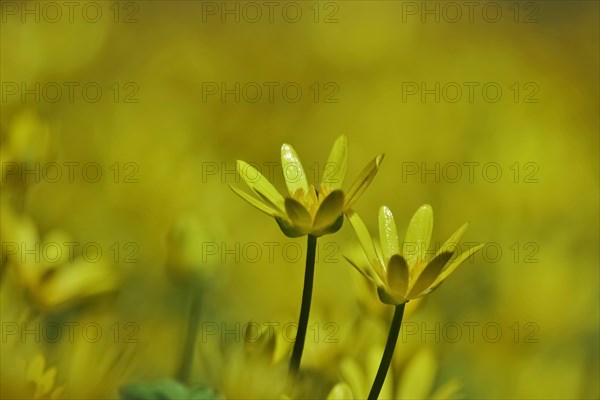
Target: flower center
311	200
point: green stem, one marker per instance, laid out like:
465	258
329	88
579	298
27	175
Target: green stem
309	274
388	352
185	367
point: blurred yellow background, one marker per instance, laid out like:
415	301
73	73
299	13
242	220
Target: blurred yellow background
488	112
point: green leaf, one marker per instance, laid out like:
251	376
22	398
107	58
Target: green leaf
260	185
363	181
388	235
137	392
293	173
418	235
429	274
166	389
204	393
329	211
337	164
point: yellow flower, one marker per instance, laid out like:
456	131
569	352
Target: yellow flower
403	272
185	251
42	379
308	210
251	368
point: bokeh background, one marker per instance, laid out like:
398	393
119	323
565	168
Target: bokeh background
520	320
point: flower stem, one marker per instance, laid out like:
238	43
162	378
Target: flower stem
388	352
185	367
309	274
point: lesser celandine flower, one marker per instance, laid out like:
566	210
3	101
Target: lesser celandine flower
52	273
402	271
306	209
251	368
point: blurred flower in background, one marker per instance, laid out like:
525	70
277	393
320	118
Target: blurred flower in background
120	124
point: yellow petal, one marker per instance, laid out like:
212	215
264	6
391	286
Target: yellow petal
329	211
418	376
397	274
453	240
78	280
29	138
337	163
341	391
255	202
293	173
363	181
452	265
429	274
46	384
362	233
283	347
418	235
25	234
298	215
259	184
57	393
351	373
35	370
388	235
